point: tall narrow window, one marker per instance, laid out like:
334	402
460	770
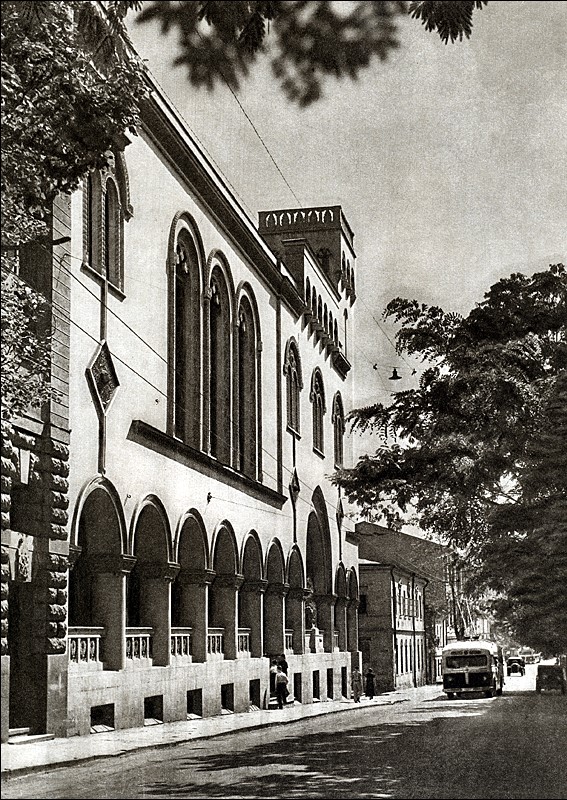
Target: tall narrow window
219	377
338	420
111	235
294	384
318	402
247	391
187	351
106	205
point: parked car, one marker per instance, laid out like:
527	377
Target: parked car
551	677
516	666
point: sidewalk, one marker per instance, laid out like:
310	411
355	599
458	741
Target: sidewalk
41	755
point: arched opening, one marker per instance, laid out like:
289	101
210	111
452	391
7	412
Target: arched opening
352	613
318	571
220	416
148	588
112	232
276	590
294	604
250	621
247	391
97	580
223	618
187	349
190	587
341	609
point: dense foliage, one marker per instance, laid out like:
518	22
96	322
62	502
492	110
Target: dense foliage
69	88
476	453
307	40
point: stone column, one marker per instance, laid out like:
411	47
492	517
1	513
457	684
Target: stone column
352	631
326	618
341	622
225	588
155	606
251	613
194	608
295	617
274	618
109	603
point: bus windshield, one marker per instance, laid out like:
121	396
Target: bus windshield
460	662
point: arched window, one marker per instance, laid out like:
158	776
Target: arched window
294	384
318	400
112	234
247	390
307	291
219	373
187	350
106	205
338	420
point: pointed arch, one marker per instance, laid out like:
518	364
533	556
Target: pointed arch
221	314
248	373
317	397
294	384
185	281
338	422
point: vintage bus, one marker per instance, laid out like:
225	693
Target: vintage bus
471	667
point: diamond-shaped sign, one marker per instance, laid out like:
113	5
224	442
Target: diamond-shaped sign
103	378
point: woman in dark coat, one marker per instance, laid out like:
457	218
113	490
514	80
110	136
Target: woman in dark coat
369	683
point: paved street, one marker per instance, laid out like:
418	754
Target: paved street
508	747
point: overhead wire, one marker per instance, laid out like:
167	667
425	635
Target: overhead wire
72	321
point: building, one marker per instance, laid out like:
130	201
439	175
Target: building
415	607
168	526
392	628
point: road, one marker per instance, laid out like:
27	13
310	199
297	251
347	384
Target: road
514	746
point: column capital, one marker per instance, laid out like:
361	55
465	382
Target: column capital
325	599
229	581
277	589
115	563
158	570
258	586
196	577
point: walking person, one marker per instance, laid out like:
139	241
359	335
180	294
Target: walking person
369	689
356	684
283	663
281	687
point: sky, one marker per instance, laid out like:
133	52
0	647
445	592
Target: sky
450	161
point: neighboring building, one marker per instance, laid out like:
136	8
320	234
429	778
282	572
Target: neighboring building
391	624
407	558
168	526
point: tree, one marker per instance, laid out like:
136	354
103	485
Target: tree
475	453
69	88
309	40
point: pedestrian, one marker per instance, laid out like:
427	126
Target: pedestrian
281	687
369	689
283	663
356	684
273	673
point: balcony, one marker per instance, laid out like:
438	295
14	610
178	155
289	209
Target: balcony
139	645
85	648
215	644
181	646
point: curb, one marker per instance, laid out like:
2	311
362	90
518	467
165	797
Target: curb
10	772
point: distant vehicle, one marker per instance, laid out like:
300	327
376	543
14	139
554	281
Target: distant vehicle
551	677
530	656
516	666
472	666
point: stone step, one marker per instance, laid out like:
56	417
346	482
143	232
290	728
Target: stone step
18	731
27	738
